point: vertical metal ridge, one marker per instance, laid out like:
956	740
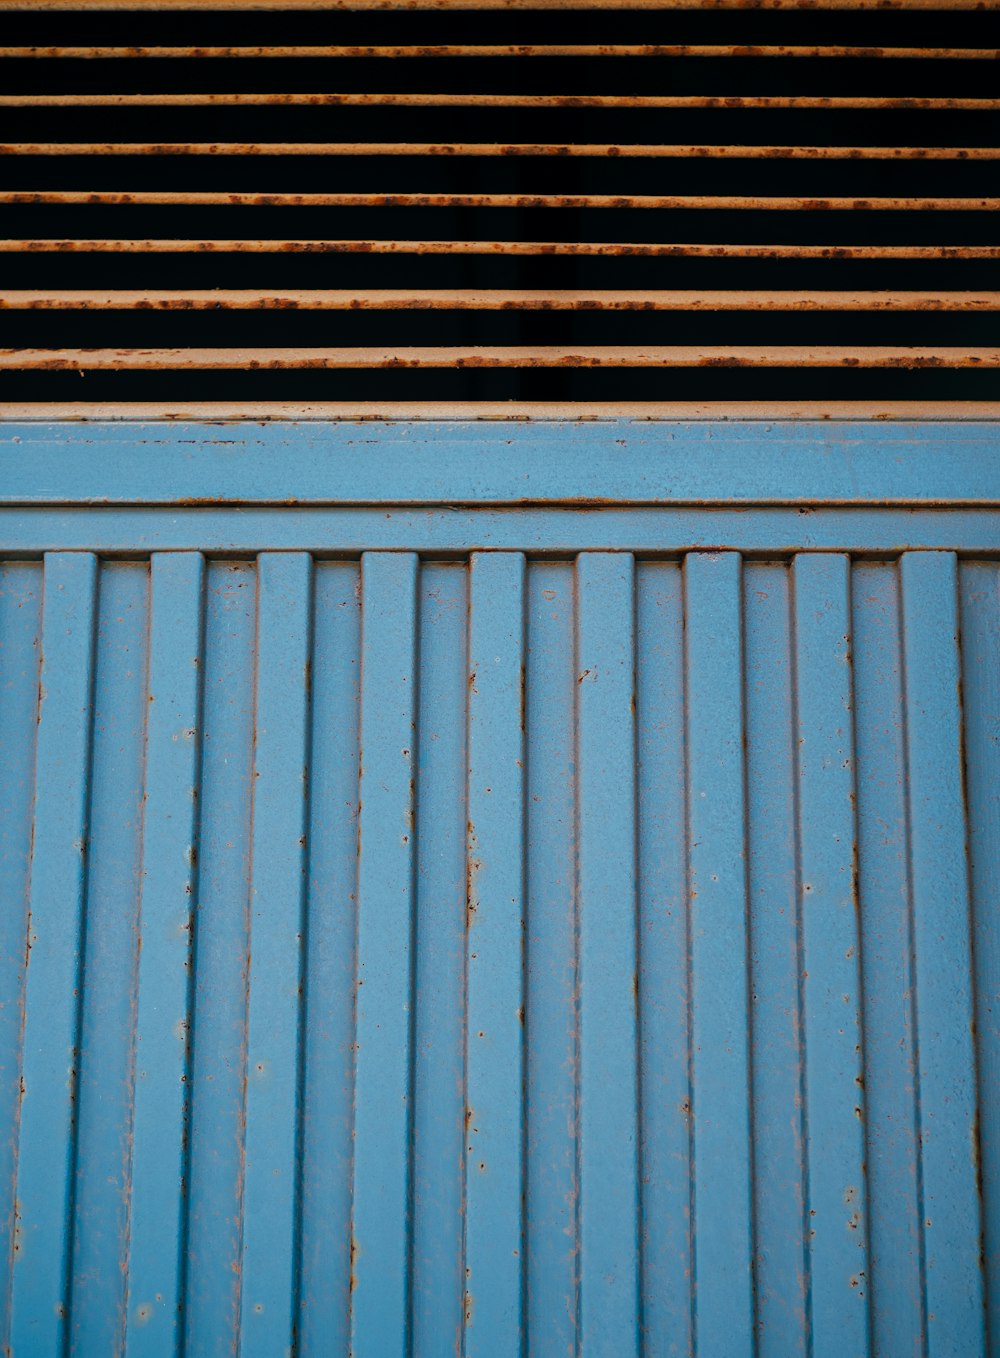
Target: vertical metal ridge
829	905
215	1188
609	1241
104	1094
943	957
381	1235
166	922
39	1311
20	668
494	1233
439	1130
781	1274
550	1011
276	948
328	1038
665	1117
979	584
892	1123
723	1274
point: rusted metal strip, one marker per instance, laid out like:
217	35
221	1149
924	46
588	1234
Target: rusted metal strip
382	99
609	249
581	411
547	356
523	50
451	299
640	150
731	202
357	5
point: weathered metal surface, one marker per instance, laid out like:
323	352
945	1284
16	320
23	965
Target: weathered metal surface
502	948
155	99
497	299
621	460
609	249
634	150
13	6
521	50
700	202
509	356
514	412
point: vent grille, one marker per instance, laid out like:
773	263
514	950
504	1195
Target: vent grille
499	202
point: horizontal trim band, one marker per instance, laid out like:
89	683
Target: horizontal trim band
625	462
511	412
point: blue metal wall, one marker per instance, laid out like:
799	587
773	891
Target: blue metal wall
500	952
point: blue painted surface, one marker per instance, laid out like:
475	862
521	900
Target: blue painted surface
622	460
589	946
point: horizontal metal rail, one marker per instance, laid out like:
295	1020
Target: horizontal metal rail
393	100
579	411
599	249
700	202
624	151
530	299
358	5
548	356
520	50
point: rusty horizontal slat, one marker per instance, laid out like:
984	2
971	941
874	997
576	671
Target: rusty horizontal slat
361	5
545	356
701	202
635	150
522	50
609	249
499	299
578	411
156	99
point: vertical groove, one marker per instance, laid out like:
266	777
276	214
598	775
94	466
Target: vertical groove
719	916
384	1092
829	909
166	923
277	896
494	929
609	1127
943	957
45	1191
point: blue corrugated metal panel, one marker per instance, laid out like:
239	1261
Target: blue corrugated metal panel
497	953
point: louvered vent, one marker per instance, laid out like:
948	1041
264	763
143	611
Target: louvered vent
498	200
